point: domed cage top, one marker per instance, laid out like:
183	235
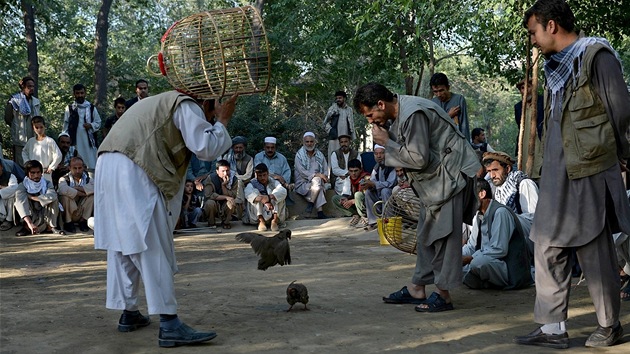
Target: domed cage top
217	53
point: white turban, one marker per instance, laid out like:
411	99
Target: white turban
377	146
308	134
270	140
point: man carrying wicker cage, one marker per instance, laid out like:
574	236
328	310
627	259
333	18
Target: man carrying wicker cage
441	166
141	170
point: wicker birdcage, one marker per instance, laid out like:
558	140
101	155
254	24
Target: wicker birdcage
399	220
216	53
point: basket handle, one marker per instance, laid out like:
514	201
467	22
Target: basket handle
160	64
374	210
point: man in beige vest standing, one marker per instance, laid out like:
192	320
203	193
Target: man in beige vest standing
139	184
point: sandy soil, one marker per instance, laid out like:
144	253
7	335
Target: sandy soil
52	296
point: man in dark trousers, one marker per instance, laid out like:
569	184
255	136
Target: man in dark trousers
582	197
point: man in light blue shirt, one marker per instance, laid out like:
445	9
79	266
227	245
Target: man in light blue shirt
276	162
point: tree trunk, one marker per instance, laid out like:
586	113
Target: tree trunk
31	41
100	54
521	128
259	4
531	149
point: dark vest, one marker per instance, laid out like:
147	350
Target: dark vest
386	171
341	161
73	125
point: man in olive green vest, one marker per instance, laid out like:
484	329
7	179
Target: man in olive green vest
581	200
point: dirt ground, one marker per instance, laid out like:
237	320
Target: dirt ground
52	300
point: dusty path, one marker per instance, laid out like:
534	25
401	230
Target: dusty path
52	295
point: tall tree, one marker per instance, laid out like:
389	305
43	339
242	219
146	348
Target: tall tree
100	54
28	12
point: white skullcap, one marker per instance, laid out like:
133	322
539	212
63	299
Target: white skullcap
270	140
377	146
63	134
308	134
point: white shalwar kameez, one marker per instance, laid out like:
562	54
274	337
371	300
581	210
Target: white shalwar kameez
135	224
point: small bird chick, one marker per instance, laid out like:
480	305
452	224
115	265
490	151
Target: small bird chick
297	292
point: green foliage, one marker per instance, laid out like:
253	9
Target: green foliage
317	48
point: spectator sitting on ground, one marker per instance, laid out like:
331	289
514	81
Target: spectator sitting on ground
513	189
276	162
495	255
197	172
266	199
351	201
8	186
220	190
14	168
379	186
339	160
310	175
36	202
242	164
68	151
76	194
191	206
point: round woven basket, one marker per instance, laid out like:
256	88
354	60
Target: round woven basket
399	220
216	53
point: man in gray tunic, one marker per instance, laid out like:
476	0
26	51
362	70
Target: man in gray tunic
582	200
310	175
440	164
495	255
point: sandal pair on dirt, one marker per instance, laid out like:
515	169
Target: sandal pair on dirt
434	303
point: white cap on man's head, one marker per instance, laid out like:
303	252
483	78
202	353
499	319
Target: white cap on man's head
63	134
270	140
308	134
377	146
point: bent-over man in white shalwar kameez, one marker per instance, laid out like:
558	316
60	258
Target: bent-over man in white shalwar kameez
138	194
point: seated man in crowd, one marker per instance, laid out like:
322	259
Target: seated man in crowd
339	162
191	207
379	186
220	190
242	165
8	186
266	199
76	194
14	168
68	151
496	253
197	172
513	189
310	175
351	201
276	162
36	202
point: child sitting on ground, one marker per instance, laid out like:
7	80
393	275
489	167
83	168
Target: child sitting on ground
191	206
42	148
